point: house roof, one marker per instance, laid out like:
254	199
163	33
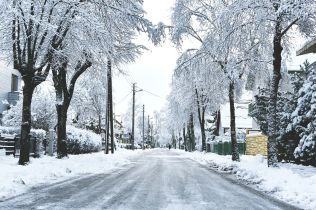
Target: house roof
309	47
242	118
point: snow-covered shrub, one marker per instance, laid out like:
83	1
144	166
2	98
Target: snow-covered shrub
81	141
222	139
9	130
43	110
39	134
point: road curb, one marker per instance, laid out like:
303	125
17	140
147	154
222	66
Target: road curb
233	179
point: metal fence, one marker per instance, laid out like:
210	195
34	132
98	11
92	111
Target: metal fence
225	148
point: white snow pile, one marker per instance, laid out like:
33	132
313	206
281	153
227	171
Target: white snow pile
16	179
291	183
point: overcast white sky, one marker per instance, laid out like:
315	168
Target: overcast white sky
153	70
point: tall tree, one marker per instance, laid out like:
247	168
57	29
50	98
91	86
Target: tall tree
32	30
275	20
108	41
211	25
64	93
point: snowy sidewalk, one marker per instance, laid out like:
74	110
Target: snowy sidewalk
291	183
16	179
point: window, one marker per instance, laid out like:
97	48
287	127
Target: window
226	130
14	83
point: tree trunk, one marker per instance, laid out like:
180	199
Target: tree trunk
175	143
235	152
184	139
203	137
276	77
202	126
61	130
64	95
99	127
180	140
218	122
28	90
192	133
201	116
189	138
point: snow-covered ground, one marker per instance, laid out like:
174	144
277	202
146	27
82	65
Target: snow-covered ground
291	183
15	179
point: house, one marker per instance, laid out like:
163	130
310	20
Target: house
243	120
118	128
10	86
309	47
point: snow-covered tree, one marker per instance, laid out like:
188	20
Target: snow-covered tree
89	100
43	112
212	25
303	121
193	90
274	22
287	132
38	35
30	31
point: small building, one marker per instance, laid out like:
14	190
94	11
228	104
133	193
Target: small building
243	120
309	47
10	86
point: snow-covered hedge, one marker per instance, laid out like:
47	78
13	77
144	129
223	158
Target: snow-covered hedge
82	141
9	130
38	133
222	139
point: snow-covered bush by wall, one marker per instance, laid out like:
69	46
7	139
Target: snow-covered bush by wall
39	134
222	139
81	141
43	110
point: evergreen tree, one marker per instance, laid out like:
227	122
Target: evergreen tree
258	109
285	106
289	138
304	120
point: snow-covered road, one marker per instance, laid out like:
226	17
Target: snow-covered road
159	179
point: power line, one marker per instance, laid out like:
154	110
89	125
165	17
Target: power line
124	98
128	81
153	94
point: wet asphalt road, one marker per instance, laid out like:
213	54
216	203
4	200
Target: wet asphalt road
158	179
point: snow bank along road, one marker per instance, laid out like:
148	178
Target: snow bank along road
158	179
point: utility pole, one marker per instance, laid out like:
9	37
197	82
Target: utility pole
107	111
110	106
143	125
133	117
152	140
184	138
107	133
148	131
180	139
